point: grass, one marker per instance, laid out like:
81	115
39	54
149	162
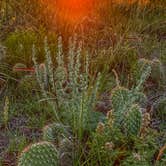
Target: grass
79	68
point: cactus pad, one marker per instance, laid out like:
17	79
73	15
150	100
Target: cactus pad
122	100
133	121
39	154
55	132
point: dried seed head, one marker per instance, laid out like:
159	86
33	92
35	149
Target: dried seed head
109	145
146	119
109	114
110	118
137	156
100	128
145	124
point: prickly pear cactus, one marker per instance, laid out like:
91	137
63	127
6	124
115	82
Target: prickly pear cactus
133	121
127	115
39	154
55	132
142	72
119	98
120	103
122	100
60	136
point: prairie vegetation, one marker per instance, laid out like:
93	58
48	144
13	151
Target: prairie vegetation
82	83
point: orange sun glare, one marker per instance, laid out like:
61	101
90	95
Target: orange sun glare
74	10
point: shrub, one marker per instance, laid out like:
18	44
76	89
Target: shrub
70	87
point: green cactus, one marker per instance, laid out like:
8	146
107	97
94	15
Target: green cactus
39	154
55	132
122	100
119	98
141	72
133	121
60	135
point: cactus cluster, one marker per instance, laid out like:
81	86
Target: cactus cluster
124	122
55	148
126	114
125	103
39	154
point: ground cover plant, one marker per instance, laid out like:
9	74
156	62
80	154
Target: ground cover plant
82	83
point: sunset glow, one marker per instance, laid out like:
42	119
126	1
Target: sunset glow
74	10
130	2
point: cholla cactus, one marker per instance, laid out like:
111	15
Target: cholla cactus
39	154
